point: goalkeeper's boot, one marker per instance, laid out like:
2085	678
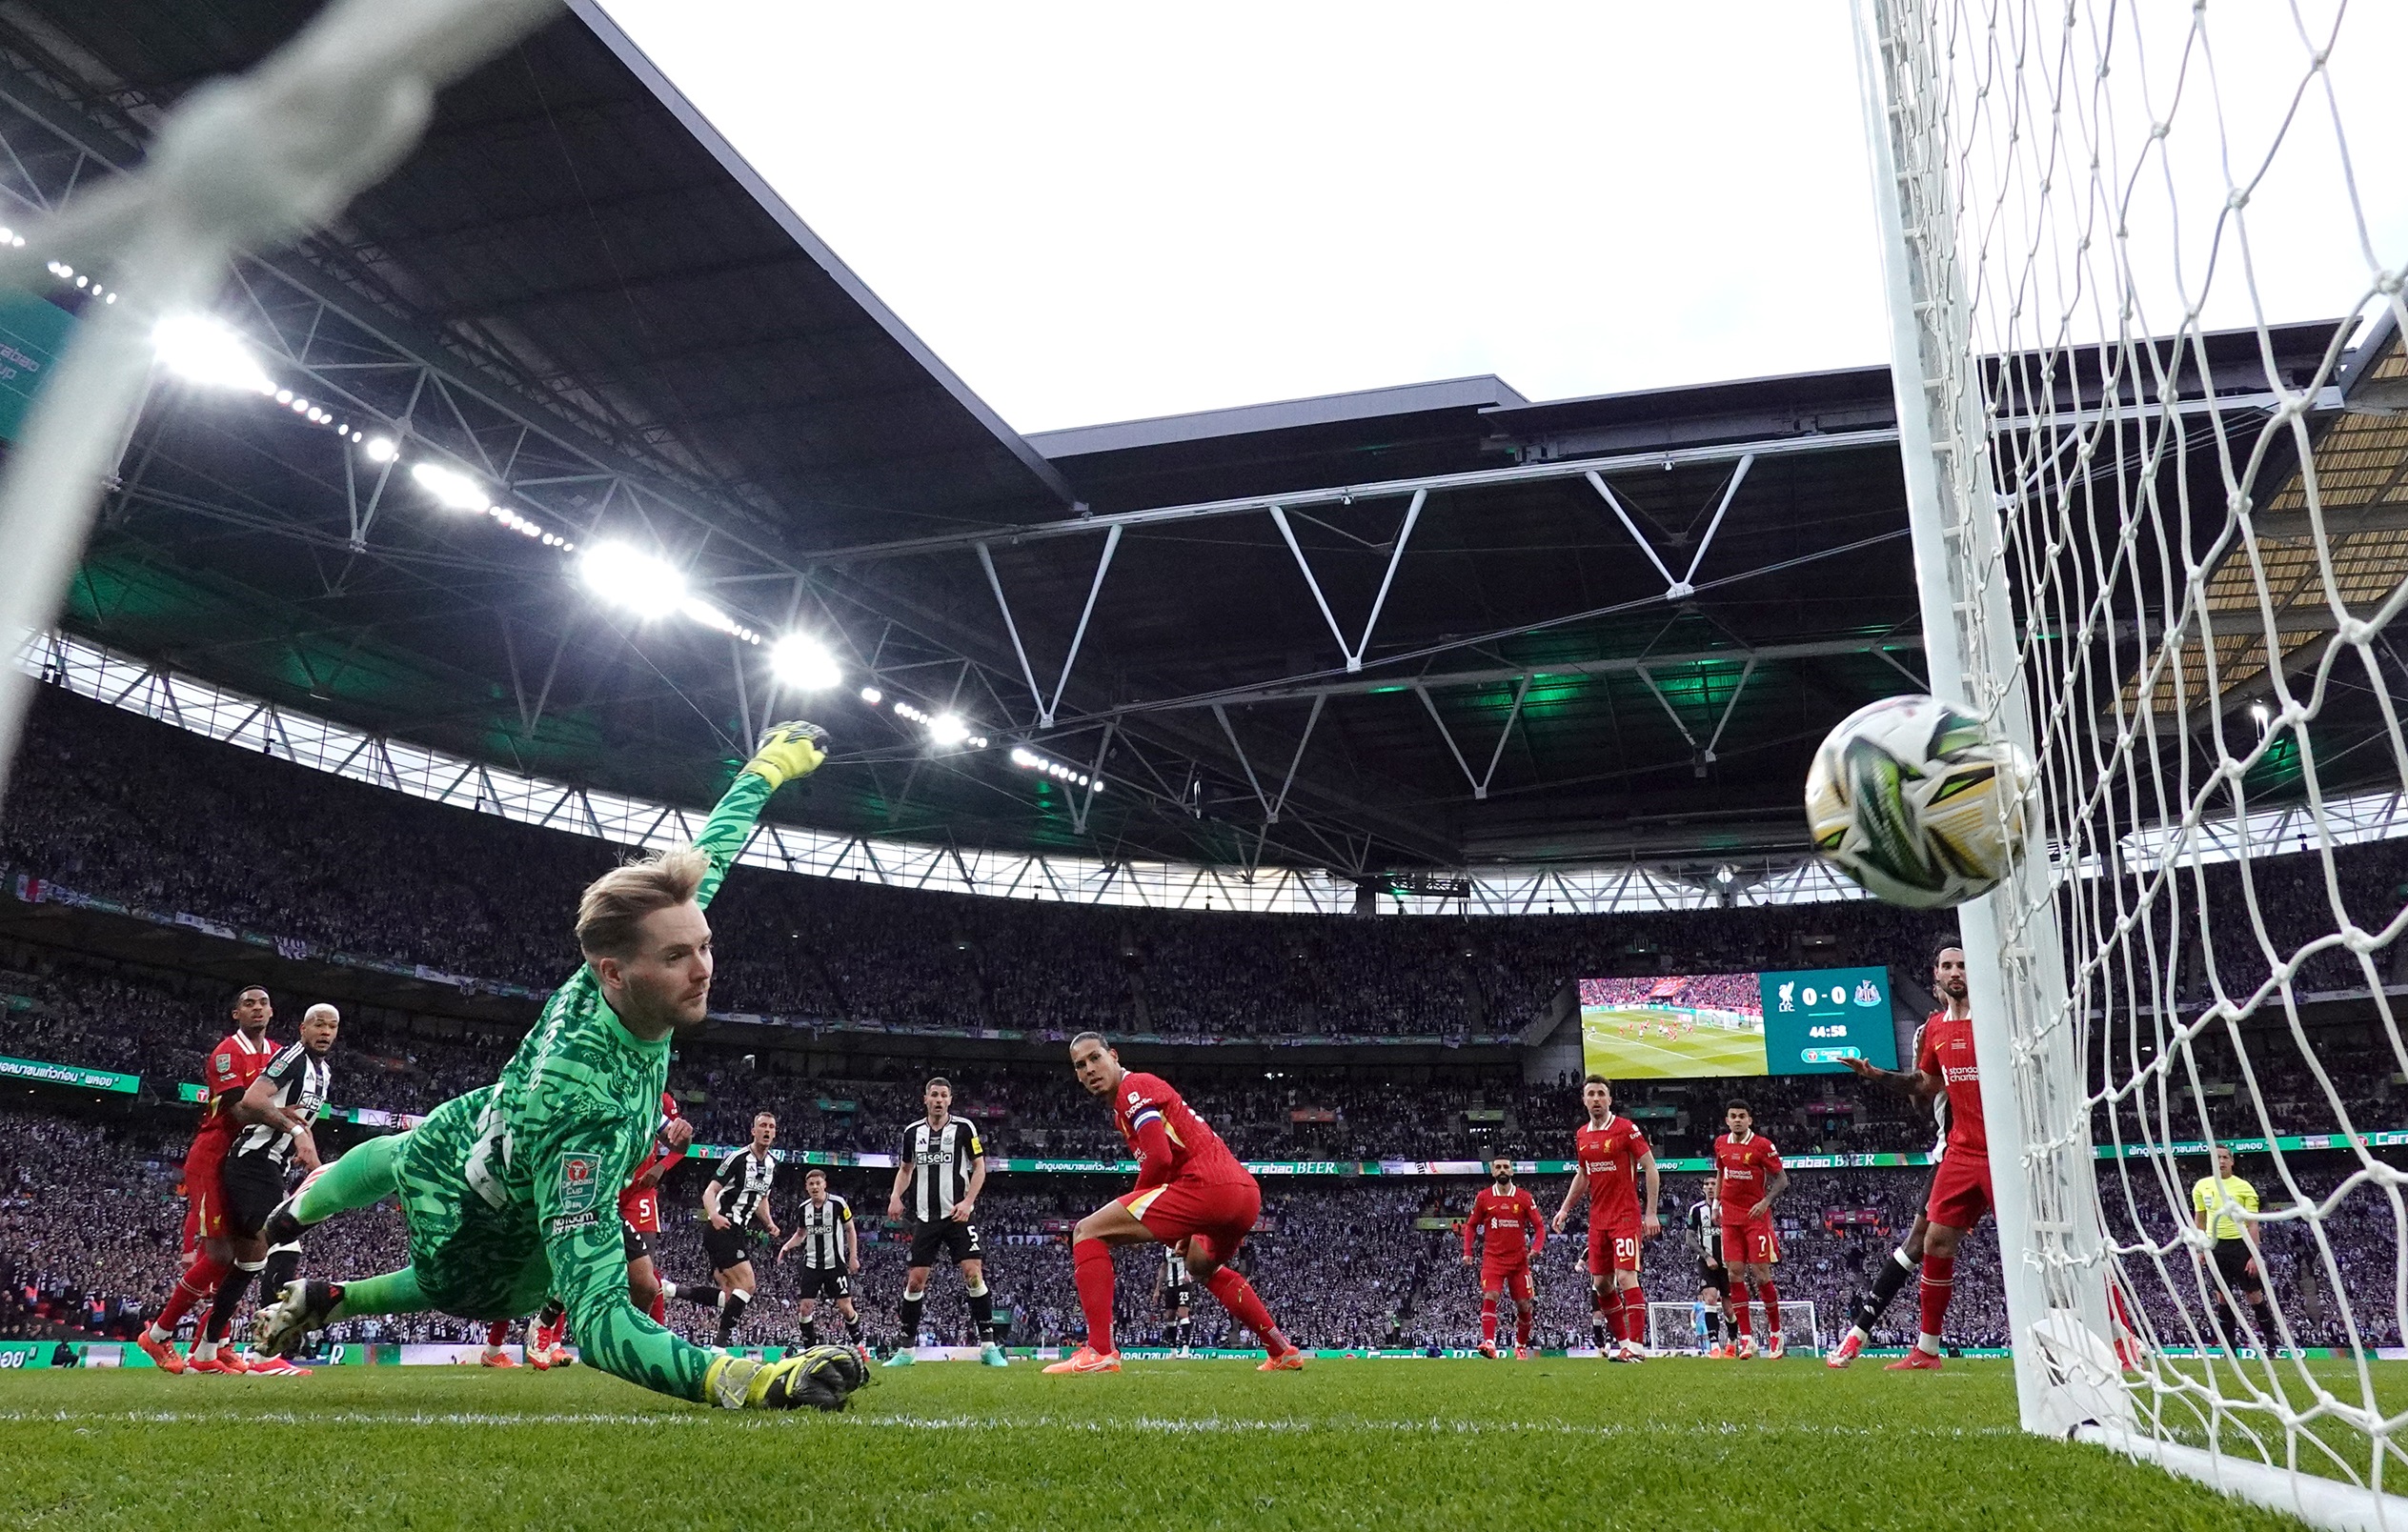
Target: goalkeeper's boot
1774	1350
162	1352
1846	1351
1916	1359
1292	1360
991	1354
301	1307
902	1357
1086	1360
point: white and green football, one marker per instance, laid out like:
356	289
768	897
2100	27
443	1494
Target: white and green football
1912	799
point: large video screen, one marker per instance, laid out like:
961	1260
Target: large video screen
1678	1027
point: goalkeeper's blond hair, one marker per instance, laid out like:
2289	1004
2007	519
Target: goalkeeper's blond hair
615	903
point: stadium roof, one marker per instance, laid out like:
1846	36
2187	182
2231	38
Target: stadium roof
1430	626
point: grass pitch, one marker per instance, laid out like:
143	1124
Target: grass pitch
1679	1443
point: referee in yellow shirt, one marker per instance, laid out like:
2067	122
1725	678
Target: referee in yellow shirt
2218	1203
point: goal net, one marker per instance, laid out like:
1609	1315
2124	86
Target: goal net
1675	1329
2142	267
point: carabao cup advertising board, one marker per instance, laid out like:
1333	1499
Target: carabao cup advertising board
1681	1026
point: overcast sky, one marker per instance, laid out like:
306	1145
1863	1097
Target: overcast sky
1103	212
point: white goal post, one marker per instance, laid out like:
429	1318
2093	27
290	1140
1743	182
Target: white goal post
1672	1328
2145	310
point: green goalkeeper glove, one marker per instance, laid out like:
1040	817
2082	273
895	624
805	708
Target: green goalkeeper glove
788	752
822	1378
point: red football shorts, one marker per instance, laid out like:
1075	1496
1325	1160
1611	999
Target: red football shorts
204	1204
1221	1213
1513	1279
1960	1192
1612	1247
1751	1244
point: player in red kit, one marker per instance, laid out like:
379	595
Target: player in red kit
1509	1217
226	1074
1749	1178
1189	1187
1944	1061
1608	1152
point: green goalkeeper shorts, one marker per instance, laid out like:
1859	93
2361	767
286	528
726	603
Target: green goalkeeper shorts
471	1259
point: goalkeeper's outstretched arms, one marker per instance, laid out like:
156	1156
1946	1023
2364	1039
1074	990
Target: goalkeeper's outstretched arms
787	752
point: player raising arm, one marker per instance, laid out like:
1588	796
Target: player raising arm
1510	1216
1607	1154
508	1191
1189	1187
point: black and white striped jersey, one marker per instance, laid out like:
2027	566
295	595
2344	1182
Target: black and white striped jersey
1176	1280
941	1161
302	1081
744	1179
1705	1230
822	1227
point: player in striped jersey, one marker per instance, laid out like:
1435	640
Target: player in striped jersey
831	1249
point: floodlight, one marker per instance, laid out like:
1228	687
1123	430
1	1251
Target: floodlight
2258	711
948	729
803	663
201	350
450	488
872	695
381	449
645	584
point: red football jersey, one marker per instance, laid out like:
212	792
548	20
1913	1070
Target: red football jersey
1514	1228
1743	1172
1196	1152
1947	1050
1609	1158
230	1066
640	1205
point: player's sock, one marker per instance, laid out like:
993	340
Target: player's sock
1186	1334
364	1176
1487	1319
981	1311
553	1312
907	1314
1634	1315
2269	1339
1770	1297
693	1292
199	1280
732	1312
284	1263
1743	1323
854	1329
395	1291
1237	1295
1939	1286
1600	1319
496	1333
1091	1265
230	1296
1523	1318
811	1331
1893	1276
660	1309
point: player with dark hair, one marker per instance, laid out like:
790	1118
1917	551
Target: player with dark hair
1509	1217
735	1198
509	1190
1945	1062
831	1258
226	1073
1907	1259
1608	1151
1190	1188
1749	1178
943	1166
2225	1206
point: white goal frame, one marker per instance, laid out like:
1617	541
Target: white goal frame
1672	1328
2055	1251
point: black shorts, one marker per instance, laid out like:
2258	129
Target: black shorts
959	1241
1175	1298
254	1186
817	1282
1717	1278
2231	1257
636	1243
728	1248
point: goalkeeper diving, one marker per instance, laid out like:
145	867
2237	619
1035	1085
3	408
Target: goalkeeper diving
511	1191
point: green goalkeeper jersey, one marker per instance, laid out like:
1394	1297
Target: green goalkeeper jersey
534	1164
